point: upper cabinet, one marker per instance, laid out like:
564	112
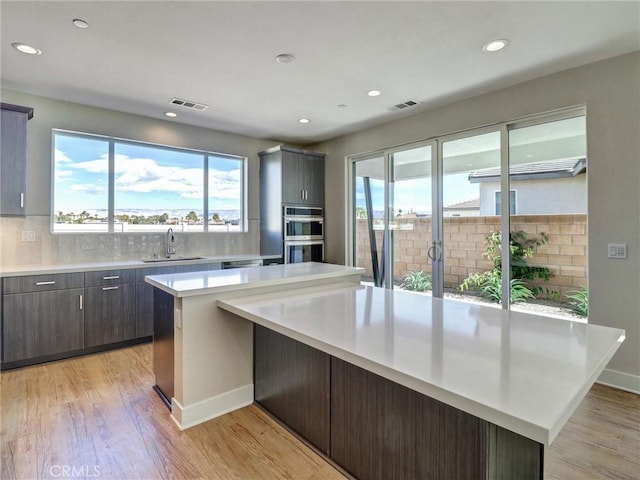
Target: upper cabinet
13	159
290	176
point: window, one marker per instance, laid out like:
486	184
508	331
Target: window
512	202
105	184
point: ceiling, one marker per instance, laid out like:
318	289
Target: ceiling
137	55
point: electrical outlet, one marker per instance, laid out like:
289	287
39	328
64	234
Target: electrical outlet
617	250
28	236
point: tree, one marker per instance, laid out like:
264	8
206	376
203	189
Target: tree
191	217
163	218
215	217
361	213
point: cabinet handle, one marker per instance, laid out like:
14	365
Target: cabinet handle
115	287
112	277
38	284
22	200
302	194
81	305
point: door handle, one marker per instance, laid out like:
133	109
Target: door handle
436	249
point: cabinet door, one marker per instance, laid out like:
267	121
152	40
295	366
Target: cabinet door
314	181
292	381
13	163
144	310
293	178
109	314
42	323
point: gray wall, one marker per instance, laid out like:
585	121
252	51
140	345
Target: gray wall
71	248
611	92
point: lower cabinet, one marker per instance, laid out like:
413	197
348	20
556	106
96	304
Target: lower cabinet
375	428
383	430
109	314
38	324
292	381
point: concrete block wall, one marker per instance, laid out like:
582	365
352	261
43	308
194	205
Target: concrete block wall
464	245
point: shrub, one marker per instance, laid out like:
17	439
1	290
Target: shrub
490	285
521	247
418	281
580	301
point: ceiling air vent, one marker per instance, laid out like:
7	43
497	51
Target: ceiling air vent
188	104
403	105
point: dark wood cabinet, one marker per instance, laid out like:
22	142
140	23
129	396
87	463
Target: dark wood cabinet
109	307
38	324
406	434
292	381
109	314
13	159
288	176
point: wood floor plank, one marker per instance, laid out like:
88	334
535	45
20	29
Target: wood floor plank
99	412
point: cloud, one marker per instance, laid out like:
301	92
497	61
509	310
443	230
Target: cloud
60	157
87	188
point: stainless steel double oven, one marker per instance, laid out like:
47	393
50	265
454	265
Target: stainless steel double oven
303	234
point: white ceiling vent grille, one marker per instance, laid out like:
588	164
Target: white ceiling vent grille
188	104
403	105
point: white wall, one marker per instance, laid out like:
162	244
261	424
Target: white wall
611	92
540	197
80	248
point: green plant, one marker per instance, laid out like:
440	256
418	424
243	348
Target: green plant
418	281
521	248
490	285
580	301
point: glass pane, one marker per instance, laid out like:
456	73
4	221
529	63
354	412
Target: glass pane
547	171
81	184
411	223
225	194
469	214
158	187
368	217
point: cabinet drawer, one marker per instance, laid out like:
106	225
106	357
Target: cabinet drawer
109	277
40	283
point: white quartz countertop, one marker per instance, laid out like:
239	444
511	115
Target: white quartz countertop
217	281
19	270
523	372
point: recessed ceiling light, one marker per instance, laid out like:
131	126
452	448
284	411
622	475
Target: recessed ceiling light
171	114
374	93
24	48
304	120
495	45
284	58
78	22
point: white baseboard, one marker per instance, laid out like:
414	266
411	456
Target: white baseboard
621	380
209	408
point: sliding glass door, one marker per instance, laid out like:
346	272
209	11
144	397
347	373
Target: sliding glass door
430	216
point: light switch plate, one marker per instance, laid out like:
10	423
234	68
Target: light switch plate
28	236
617	250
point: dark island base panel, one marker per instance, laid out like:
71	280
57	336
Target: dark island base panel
74	353
378	429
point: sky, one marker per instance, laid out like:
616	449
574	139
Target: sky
146	177
415	195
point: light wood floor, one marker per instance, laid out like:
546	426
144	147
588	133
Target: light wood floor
97	417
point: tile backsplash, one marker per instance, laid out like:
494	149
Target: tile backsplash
71	248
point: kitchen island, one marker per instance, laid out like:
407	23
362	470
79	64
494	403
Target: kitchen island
203	356
420	387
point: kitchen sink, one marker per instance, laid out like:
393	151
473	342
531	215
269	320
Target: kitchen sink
171	259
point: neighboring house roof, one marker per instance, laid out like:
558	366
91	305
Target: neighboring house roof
566	167
472	204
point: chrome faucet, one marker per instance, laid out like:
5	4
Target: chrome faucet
171	240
